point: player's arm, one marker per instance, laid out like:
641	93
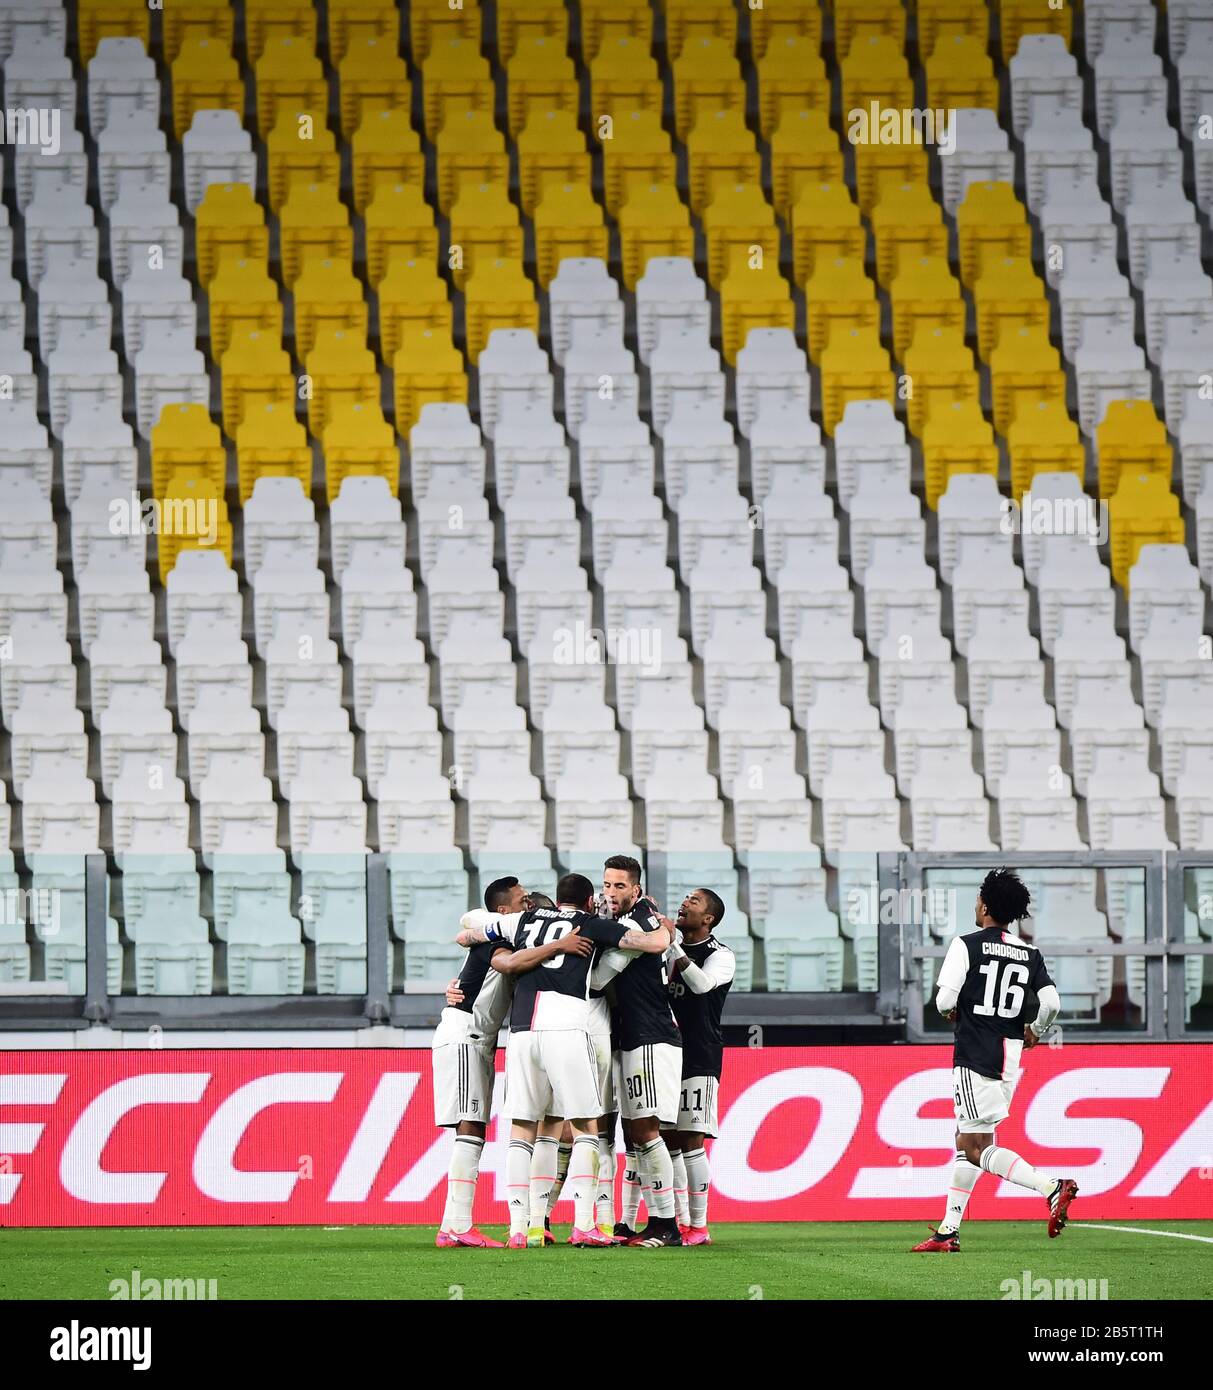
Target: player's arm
1049	1002
716	971
608	964
479	926
951	978
507	962
605	933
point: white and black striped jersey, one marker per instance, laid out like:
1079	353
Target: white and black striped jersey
997	977
486	992
642	999
699	1012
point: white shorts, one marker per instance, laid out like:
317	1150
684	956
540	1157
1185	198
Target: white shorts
605	1060
651	1079
981	1102
552	1072
697	1107
463	1083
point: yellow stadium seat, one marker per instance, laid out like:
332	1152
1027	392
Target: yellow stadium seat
639	152
878	166
720	149
540	77
437	18
111	19
411	295
199	521
271	443
623	77
519	21
839	295
454	77
924	293
256	370
288	73
484	226
230	223
551	149
426	367
1024	368
205	77
352	20
342	370
195	19
471	150
605	19
1020	17
300	150
242	296
939	368
825	225
791	77
738	220
957	438
874	69
386	149
770	24
908	224
327	295
359	442
399	221
186	440
856	20
854	367
991	224
653	222
1142	511
1007	294
689	20
314	224
373	78
1043	439
498	294
707	78
960	74
752	298
939	18
1131	436
804	150
568	222
276	19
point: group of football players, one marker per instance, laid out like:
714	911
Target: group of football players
614	1014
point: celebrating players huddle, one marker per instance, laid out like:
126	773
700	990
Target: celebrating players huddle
615	1015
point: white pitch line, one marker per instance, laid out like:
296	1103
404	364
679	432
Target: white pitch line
1139	1231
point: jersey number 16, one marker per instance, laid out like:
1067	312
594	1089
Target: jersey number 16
1010	999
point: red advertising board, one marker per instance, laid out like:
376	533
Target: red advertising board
340	1137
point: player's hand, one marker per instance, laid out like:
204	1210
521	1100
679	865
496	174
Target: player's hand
574	944
454	995
951	1015
1029	1038
465	938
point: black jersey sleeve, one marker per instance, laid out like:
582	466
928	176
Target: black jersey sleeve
1040	974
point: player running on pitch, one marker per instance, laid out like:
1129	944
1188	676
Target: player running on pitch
985	986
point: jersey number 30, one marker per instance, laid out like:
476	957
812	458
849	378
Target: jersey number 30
1010	999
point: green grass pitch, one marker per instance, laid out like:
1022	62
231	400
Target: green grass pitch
863	1260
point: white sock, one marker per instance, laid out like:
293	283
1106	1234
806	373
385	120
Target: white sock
543	1178
583	1180
563	1153
604	1205
960	1189
680	1187
698	1181
461	1175
518	1184
631	1190
658	1169
1006	1163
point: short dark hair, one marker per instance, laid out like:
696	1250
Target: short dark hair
575	889
541	900
630	866
1005	896
715	906
497	892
